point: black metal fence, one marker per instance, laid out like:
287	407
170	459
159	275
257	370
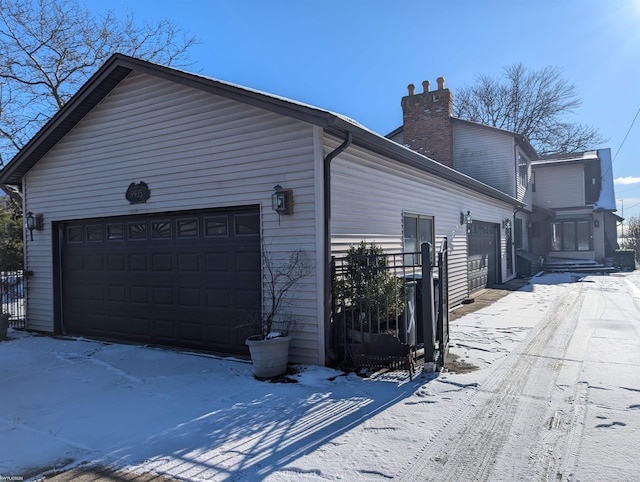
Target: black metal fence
12	297
404	294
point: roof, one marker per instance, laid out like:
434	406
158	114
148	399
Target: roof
520	139
566	158
119	66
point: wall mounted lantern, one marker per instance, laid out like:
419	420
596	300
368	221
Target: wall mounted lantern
596	223
282	200
466	219
34	222
506	224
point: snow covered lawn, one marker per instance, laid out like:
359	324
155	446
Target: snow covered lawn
194	417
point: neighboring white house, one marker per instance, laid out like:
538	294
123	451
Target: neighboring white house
154	187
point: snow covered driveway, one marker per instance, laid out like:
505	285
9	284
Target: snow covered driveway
563	405
556	396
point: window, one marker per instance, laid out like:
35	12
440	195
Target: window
187	228
216	226
247	224
571	235
161	229
115	232
74	234
94	233
417	230
138	231
523	169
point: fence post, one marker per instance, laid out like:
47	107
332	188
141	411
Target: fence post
428	315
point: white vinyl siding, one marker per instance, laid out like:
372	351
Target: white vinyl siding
370	194
559	186
195	150
486	155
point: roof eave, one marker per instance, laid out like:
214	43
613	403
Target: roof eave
384	146
108	77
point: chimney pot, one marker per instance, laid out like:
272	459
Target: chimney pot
440	81
411	88
425	86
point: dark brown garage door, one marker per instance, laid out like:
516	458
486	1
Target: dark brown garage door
188	279
483	255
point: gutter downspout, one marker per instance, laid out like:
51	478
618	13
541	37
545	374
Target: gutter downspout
327	239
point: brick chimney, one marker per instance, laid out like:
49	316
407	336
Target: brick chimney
427	126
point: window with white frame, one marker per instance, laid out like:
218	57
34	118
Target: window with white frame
418	229
523	170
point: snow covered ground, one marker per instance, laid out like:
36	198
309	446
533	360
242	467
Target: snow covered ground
556	396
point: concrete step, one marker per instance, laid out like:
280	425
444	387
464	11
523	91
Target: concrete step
575	265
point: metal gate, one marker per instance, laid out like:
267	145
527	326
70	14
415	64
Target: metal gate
12	297
405	295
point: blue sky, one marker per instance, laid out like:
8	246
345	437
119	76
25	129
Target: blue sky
356	57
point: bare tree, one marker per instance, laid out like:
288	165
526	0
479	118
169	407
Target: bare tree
48	48
631	238
536	103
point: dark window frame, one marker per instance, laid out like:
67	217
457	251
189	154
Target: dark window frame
570	236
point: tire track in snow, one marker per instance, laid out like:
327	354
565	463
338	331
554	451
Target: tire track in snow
473	439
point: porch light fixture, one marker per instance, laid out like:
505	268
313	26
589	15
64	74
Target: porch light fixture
34	222
506	224
282	200
465	218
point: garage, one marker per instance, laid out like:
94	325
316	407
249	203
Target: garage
483	255
188	279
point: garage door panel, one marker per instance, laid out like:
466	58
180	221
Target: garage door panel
217	262
162	262
191	332
188	262
163	295
138	262
117	292
183	279
140	327
247	262
139	294
190	297
165	330
482	255
115	262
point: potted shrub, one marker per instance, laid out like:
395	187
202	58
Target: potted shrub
372	297
269	346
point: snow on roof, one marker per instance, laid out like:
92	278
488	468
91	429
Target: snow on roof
607	200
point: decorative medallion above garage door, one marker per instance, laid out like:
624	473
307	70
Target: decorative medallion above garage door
188	279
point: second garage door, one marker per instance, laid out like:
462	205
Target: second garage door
188	279
483	255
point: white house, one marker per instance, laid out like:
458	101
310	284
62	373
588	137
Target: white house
153	190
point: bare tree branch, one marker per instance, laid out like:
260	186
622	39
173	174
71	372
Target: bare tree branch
536	103
48	49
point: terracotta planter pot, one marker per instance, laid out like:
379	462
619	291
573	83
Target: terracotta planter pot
269	357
